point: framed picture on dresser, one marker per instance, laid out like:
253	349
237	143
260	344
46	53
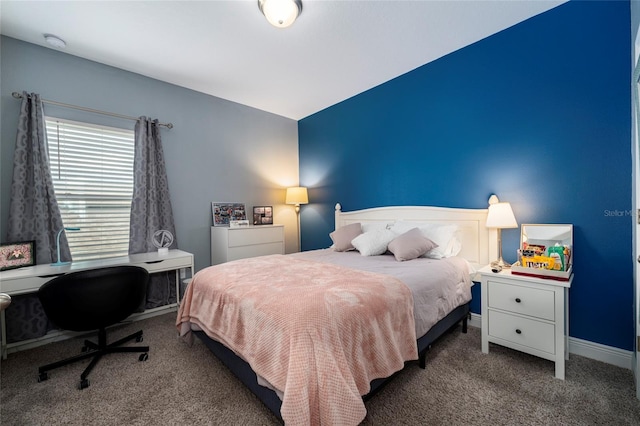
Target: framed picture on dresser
223	213
263	215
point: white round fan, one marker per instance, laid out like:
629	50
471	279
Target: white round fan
162	240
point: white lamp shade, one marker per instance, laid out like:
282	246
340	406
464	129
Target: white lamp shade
280	13
501	216
297	195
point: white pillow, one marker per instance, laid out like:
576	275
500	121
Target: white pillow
373	243
401	226
445	236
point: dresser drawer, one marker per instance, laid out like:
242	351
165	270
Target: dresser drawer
250	236
535	302
522	331
236	253
240	243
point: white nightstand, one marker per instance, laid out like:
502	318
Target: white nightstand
527	314
239	243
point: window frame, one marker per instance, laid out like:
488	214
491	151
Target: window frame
93	183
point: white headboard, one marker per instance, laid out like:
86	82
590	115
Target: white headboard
479	243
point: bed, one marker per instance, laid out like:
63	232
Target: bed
350	321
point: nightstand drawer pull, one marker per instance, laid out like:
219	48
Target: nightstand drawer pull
518	300
518	331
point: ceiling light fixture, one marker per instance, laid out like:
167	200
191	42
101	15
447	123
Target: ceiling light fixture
280	13
55	41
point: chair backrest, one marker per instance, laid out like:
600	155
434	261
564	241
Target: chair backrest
95	298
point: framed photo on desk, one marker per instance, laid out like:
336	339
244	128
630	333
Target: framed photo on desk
17	255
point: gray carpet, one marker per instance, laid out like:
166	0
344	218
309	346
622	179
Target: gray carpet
181	385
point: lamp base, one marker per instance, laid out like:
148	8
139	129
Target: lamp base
501	263
58	263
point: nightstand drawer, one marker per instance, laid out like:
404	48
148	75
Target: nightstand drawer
522	300
251	236
522	331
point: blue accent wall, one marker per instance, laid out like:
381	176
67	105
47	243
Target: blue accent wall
539	114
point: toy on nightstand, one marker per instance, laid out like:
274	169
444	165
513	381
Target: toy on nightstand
545	251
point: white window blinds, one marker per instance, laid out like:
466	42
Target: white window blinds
92	170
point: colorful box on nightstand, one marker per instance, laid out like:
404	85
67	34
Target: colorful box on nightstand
546	251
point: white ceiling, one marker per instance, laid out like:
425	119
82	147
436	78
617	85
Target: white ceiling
335	50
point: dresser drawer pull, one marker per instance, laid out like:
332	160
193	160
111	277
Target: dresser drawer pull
518	300
518	331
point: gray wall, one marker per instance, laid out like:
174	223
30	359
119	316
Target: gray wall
217	151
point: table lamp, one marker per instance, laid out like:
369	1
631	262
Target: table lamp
59	263
500	216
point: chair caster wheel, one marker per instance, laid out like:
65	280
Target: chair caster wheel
139	339
84	384
42	377
143	357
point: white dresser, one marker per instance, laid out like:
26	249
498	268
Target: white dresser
527	314
239	243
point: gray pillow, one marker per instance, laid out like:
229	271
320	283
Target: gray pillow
411	245
342	236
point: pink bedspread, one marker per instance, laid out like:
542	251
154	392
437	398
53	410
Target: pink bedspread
318	333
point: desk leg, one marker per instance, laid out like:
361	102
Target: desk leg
178	287
179	281
4	335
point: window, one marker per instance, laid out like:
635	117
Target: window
92	170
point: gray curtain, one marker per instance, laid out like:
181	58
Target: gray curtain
151	206
33	213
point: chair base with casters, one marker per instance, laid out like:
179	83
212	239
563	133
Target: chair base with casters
97	351
94	300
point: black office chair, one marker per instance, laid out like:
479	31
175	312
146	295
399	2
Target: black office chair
94	300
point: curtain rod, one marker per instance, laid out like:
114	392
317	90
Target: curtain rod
95	111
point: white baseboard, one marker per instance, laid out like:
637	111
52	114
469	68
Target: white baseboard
476	320
608	354
585	348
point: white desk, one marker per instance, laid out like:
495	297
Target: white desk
29	279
